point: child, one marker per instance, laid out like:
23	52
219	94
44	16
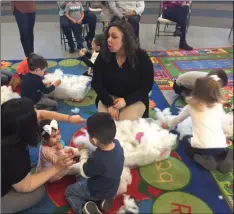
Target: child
208	144
52	146
74	11
88	58
102	171
21	71
184	84
32	85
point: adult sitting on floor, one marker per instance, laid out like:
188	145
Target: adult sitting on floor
122	74
20	188
185	82
128	10
177	11
89	18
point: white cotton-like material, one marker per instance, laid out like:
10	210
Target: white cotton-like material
130	204
125	180
75	110
72	86
155	144
121	210
84	139
7	94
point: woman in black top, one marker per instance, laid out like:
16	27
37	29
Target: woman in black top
20	189
123	74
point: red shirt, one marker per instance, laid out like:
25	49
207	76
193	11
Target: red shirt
25	6
23	67
168	4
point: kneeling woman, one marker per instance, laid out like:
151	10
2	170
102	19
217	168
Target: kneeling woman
123	75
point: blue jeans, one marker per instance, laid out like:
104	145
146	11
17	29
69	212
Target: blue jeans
78	194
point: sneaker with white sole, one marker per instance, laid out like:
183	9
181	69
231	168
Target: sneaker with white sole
91	208
107	204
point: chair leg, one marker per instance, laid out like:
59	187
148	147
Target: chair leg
156	30
230	32
61	39
165	28
64	41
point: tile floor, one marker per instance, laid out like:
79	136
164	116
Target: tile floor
47	40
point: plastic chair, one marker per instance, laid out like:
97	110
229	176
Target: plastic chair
166	23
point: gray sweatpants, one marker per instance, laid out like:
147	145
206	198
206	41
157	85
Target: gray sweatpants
46	103
14	201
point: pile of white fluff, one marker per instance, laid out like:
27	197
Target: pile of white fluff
185	127
7	94
129	206
155	144
72	86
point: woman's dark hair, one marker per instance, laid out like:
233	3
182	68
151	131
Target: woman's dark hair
35	61
99	40
222	75
44	134
19	123
130	44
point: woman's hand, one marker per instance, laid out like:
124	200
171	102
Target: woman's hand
65	161
114	113
76	119
119	103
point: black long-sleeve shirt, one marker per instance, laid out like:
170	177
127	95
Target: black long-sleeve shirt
86	59
32	87
132	84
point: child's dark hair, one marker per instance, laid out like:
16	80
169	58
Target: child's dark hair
222	75
99	40
44	135
35	61
102	127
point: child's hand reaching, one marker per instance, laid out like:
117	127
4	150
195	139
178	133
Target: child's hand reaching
165	126
82	53
57	83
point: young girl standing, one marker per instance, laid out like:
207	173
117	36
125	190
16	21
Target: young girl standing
208	145
52	147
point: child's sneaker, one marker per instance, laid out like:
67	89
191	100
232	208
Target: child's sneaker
208	162
91	208
107	204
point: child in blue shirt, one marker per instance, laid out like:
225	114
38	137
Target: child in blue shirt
101	171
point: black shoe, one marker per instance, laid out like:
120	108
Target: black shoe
208	162
71	50
185	46
107	204
89	43
91	208
177	33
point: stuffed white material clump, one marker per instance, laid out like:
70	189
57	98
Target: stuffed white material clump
72	86
185	127
7	94
125	180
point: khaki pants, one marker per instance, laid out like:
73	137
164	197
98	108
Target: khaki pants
131	112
